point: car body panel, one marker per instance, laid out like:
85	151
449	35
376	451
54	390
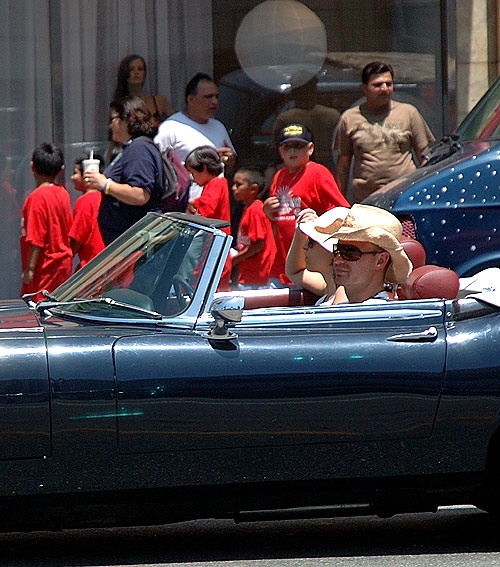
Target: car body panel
452	207
280	386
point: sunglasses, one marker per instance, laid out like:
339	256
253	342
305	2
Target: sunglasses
351	253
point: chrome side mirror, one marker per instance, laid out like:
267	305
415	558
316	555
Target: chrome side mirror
227	311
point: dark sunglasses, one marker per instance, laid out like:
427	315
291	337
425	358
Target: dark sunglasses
351	253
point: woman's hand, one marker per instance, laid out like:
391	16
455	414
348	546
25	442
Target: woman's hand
306	215
94	179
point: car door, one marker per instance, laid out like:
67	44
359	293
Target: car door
291	377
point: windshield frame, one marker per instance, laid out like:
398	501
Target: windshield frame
156	236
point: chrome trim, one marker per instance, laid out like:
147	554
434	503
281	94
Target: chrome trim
319	315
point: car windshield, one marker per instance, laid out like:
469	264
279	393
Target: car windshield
152	270
483	121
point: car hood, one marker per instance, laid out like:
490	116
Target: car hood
387	196
16	316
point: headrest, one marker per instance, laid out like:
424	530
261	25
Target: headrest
427	282
414	250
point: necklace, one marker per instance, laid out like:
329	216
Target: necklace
297	173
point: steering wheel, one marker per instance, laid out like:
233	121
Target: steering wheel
182	290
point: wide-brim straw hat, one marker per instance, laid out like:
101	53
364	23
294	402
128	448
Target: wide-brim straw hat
321	228
366	223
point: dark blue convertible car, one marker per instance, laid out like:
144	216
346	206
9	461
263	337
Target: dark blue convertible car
138	394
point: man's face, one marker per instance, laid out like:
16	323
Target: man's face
358	274
379	89
204	103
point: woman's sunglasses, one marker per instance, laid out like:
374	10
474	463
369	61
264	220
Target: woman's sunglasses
351	253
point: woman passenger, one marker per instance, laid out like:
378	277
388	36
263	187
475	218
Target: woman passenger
309	264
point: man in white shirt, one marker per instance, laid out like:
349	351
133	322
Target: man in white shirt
197	126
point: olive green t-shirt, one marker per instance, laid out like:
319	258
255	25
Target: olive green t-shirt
381	143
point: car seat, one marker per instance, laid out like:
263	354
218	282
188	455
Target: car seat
426	281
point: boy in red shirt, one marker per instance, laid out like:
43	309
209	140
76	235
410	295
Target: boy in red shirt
300	184
255	248
85	237
205	166
45	222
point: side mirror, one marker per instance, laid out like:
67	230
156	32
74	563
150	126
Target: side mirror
227	311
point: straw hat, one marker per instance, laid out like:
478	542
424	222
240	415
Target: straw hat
365	223
321	228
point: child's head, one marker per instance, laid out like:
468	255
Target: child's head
77	176
248	182
47	160
204	163
295	146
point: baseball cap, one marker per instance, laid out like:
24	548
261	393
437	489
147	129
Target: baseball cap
295	133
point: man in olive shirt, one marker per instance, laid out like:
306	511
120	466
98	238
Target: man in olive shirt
380	134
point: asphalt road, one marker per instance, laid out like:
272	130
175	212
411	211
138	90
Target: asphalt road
458	537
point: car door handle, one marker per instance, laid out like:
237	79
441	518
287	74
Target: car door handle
427	336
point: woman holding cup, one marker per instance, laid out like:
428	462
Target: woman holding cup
132	184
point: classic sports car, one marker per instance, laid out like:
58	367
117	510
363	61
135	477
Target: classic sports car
136	393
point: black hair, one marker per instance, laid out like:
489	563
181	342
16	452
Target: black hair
124	73
375	68
205	156
79	161
193	83
254	176
134	112
48	159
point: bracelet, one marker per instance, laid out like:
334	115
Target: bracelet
107	186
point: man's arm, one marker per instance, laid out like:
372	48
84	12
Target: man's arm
422	136
341	173
295	265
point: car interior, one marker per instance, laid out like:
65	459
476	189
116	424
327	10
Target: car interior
426	281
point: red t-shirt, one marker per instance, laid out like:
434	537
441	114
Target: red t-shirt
313	187
255	226
45	222
213	203
85	229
